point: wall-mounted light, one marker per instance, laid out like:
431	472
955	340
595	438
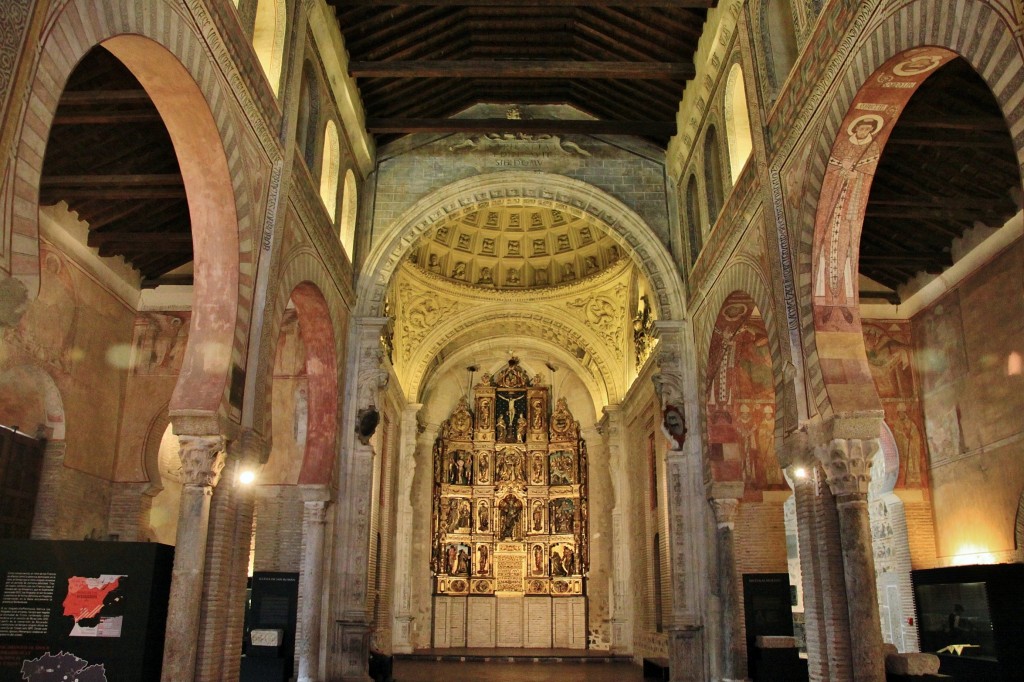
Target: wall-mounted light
247	477
800	472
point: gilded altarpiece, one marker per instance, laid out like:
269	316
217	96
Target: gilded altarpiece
510	494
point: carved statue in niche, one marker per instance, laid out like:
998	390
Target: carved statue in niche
511	511
483	467
563	426
483	517
537	517
540	277
538	560
537	470
483	411
537	413
483	562
501	429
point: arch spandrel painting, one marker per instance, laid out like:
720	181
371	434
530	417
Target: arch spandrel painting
510	493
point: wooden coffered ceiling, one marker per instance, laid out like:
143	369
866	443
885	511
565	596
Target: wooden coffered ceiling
624	62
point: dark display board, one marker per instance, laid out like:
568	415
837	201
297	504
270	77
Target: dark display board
273	605
972	617
86	611
767	605
21	461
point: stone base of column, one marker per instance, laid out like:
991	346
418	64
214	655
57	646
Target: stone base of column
401	635
351	652
621	642
686	653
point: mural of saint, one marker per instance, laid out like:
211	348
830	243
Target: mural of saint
844	197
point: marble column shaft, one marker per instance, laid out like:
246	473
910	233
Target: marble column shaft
734	664
202	459
848	466
314	518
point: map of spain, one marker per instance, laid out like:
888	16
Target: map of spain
96	605
61	667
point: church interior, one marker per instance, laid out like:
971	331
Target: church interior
682	334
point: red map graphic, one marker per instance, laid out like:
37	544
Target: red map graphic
86	595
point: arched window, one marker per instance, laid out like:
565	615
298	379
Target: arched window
713	174
329	169
693	219
308	113
268	38
779	34
347	235
737	121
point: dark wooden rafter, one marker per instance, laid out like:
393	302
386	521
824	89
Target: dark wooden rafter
524	68
549	126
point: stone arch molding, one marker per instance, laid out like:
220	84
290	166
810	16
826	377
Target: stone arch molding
605	385
623	224
974	31
304	275
175	65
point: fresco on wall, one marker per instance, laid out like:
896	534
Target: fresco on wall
741	400
889	348
159	341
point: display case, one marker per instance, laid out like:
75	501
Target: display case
972	617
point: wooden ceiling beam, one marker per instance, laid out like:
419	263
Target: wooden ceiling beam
118	193
522	68
500	125
158	239
98	97
65	118
135	180
172	280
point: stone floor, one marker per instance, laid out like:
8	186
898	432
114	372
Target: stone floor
512	665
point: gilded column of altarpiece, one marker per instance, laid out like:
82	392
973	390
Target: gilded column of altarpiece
510	493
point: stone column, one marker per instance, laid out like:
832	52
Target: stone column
848	465
690	540
315	499
44	521
348	650
402	594
202	459
826	619
621	606
734	664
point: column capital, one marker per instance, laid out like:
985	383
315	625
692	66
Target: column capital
725	511
847	464
202	460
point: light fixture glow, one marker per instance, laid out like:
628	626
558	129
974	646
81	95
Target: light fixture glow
800	472
247	477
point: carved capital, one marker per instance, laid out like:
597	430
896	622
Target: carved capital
725	511
315	511
202	460
847	464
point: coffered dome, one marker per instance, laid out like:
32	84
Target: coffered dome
516	247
